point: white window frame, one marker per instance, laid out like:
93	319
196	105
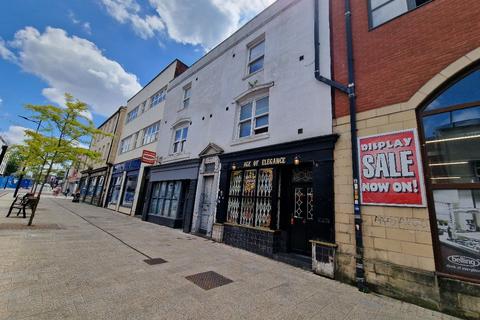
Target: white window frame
125	144
253	117
178	145
150	133
158	97
187	94
133	112
251	61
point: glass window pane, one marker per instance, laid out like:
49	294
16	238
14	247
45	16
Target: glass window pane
178	134
185	133
458	222
464	91
257	51
389	11
246	111
261	106
453	146
245	129
261	121
255	66
129	192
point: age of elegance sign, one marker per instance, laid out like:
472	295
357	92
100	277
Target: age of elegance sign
390	169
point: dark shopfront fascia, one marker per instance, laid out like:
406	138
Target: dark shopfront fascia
278	198
170	194
92	185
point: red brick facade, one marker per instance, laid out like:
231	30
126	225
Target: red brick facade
397	58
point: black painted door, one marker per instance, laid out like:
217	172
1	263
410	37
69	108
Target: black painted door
301	217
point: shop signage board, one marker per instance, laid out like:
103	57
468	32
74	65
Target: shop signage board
149	157
391	170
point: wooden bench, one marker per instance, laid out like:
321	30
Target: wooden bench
21	203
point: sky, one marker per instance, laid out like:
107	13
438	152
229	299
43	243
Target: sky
101	51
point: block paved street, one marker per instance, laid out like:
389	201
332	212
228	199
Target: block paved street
83	262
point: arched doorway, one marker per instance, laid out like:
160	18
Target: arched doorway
450	132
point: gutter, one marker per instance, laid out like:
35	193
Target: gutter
350	91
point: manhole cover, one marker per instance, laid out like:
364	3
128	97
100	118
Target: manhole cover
20	226
209	280
155	261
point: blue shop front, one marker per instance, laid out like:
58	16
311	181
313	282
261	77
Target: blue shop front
123	185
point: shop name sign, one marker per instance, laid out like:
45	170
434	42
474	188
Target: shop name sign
265	162
390	169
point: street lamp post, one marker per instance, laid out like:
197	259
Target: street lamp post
39	123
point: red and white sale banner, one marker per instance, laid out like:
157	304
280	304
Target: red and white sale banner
391	170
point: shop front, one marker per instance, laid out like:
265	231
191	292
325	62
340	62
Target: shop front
170	194
92	186
123	184
279	198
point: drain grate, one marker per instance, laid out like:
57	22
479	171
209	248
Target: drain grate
154	261
20	226
209	280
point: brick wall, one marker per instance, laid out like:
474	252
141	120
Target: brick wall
394	60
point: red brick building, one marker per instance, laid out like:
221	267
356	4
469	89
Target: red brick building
417	71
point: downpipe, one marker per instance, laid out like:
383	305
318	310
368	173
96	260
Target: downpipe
350	91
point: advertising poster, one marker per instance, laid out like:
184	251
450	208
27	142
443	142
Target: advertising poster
458	224
390	170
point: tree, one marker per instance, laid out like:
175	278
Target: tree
60	139
14	162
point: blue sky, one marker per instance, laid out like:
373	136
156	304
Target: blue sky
101	51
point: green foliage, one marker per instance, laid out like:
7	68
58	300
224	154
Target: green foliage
14	162
62	133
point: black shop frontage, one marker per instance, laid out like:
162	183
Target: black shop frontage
170	194
278	198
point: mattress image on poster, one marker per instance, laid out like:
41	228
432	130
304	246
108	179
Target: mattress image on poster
458	222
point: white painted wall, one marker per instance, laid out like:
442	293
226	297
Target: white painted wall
149	117
297	99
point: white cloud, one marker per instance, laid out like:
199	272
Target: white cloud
14	135
5	53
129	11
206	22
200	22
85	25
1	101
74	65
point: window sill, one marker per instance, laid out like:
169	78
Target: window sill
252	74
258	137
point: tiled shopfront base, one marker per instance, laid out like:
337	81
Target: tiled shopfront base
263	242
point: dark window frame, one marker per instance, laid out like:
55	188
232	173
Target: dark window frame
431	187
410	4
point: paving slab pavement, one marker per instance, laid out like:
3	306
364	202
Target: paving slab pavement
88	263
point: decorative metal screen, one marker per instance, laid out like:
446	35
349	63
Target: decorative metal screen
299	201
250	197
263	211
309	203
302	175
234	196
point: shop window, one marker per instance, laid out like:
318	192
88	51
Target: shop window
253	118
116	185
250	197
180	138
150	134
158	97
451	134
98	189
165	199
91	186
256	56
382	11
129	192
